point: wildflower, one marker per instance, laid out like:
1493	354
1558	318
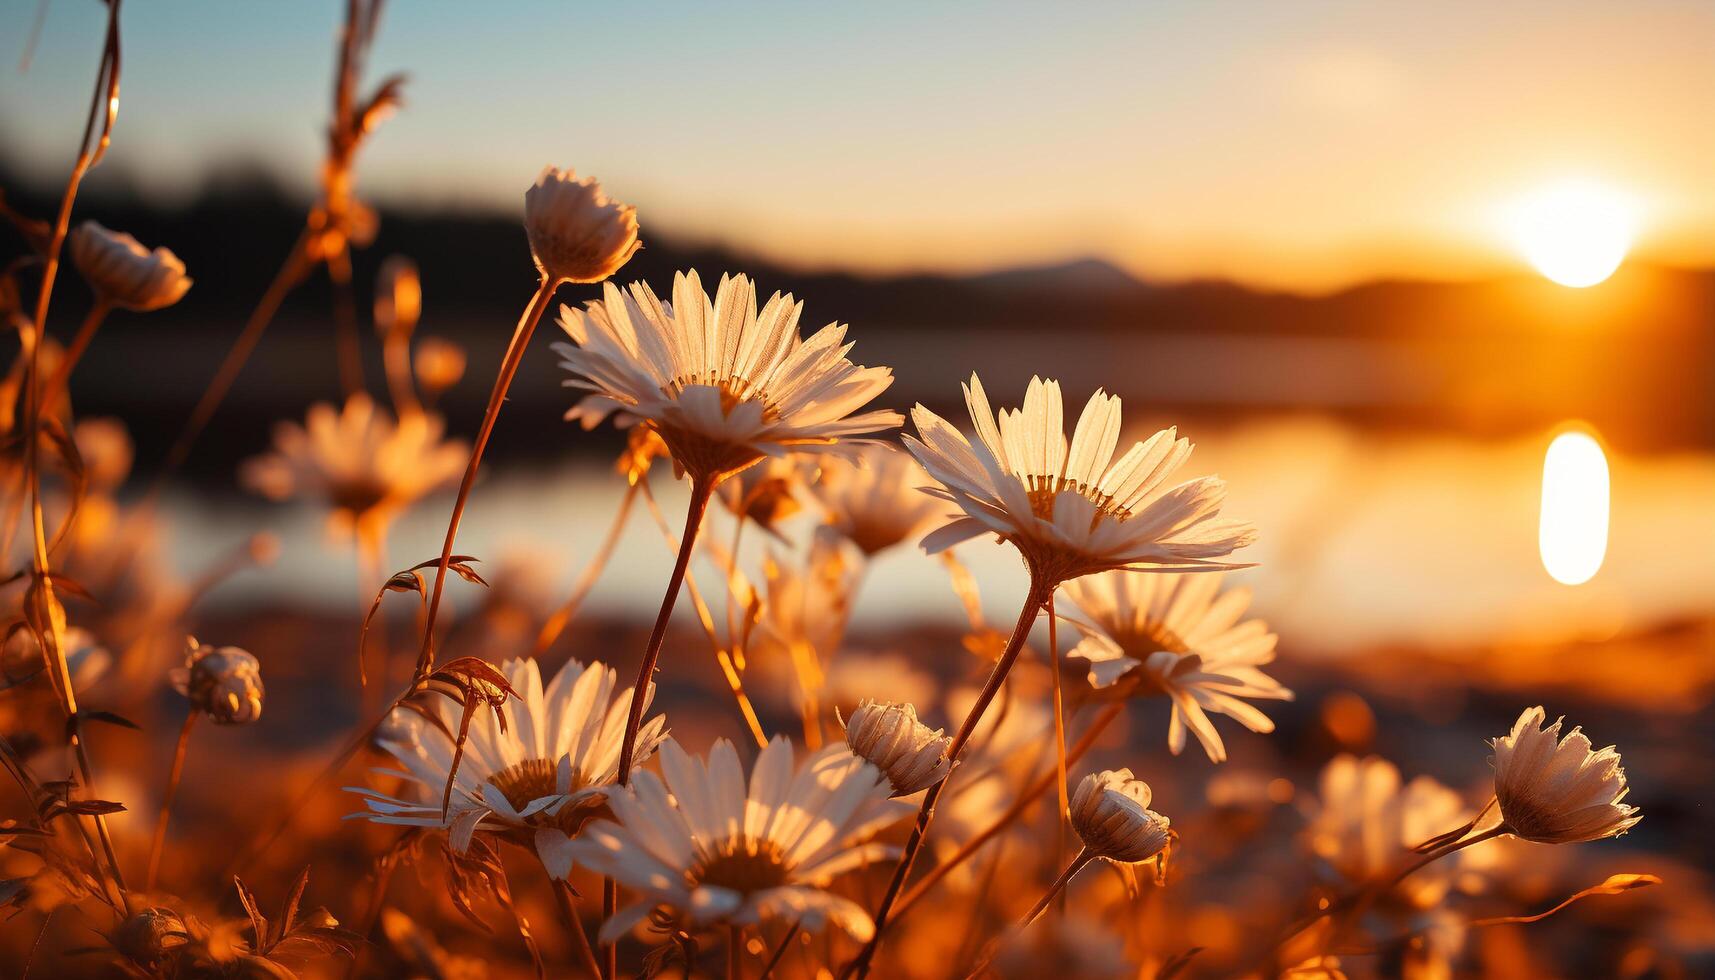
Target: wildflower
1066	509
722	384
539	776
106	450
577	233
1110	812
1178	635
438	364
711	851
366	467
124	273
766	493
873	501
1555	790
1364	823
889	736
224	683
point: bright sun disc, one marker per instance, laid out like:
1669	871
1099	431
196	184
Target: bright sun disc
1576	232
1573	533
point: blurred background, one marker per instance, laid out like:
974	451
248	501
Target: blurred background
1372	259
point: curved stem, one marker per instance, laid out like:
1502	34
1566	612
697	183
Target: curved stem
103	110
502	382
292	272
74	353
1039	593
1013	812
1084	857
1059	885
173	774
699	505
574	926
562	616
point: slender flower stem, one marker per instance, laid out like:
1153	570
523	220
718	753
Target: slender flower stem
384	869
779	952
345	322
1039	592
1059	885
503	381
1352	907
173	774
574	926
562	616
1083	857
728	665
701	490
734	953
74	353
1013	812
97	134
292	272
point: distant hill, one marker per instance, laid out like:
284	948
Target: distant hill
1638	351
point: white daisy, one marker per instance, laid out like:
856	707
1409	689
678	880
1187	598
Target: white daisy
873	500
723	384
1559	791
712	851
1066	508
366	467
1364	823
540	778
1180	636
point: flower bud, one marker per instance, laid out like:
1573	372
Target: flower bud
123	272
1558	791
146	937
398	297
439	364
224	682
577	233
889	737
1111	813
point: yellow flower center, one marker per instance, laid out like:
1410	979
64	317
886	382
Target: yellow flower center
526	781
742	865
733	390
1043	489
532	779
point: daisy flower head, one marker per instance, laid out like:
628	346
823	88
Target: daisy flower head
874	499
1179	635
360	462
1556	790
722	383
539	778
1071	509
711	849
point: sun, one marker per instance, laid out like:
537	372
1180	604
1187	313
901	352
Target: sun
1575	232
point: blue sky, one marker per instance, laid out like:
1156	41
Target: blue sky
1300	144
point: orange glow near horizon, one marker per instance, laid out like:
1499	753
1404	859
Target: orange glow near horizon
1575	232
1573	534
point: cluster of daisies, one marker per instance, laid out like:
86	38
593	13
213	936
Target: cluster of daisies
578	772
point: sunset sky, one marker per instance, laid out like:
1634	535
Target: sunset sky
1301	146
